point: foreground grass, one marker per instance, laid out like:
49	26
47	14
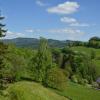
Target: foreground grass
30	91
78	92
34	91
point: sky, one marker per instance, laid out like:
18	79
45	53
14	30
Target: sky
52	19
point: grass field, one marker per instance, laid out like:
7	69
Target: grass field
34	91
79	92
30	91
87	50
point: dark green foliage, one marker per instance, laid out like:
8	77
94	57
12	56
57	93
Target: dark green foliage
57	56
2	31
77	66
94	42
3	49
93	54
83	66
18	62
95	38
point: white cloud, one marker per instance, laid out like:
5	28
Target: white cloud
73	22
68	33
30	31
65	8
65	32
10	34
40	3
68	20
80	24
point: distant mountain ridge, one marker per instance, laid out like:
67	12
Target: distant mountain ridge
33	42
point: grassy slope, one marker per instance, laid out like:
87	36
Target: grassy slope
88	51
78	92
32	91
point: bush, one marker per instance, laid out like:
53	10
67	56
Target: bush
56	79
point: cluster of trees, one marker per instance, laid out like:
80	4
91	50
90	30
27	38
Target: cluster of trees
77	66
34	65
44	69
76	43
94	42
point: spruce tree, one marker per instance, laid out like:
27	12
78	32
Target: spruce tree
2	52
2	30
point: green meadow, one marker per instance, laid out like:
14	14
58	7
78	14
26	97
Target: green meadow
79	92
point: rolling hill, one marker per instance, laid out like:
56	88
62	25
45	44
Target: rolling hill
30	91
33	42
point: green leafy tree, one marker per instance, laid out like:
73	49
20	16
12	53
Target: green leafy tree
43	61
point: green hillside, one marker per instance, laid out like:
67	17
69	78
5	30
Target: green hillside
87	50
30	91
79	92
34	91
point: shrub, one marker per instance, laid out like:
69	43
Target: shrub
95	85
74	79
83	81
79	80
56	79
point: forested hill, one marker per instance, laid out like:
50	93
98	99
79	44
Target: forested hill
33	42
93	42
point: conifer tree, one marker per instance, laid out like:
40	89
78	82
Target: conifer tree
2	52
2	30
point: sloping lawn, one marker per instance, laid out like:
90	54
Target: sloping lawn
79	92
86	50
32	91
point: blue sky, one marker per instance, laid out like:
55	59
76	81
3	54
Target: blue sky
56	19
